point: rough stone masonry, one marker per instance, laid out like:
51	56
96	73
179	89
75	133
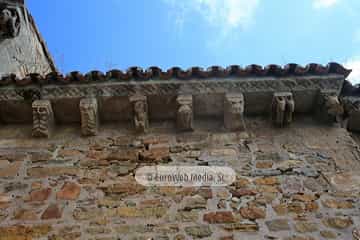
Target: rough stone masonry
70	146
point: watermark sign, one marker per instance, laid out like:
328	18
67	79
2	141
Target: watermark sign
185	176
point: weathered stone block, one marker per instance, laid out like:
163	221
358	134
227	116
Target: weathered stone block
69	191
160	154
140	113
328	234
24	232
43	118
198	231
52	212
337	204
219	217
89	116
82	213
185	114
283	107
25	215
243	192
43	172
233	111
187	216
126	188
194	202
134	212
278	225
40	195
338	222
252	213
9	169
243	226
306	227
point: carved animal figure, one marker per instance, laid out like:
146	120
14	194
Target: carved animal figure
333	106
279	106
233	112
89	120
140	115
289	109
185	117
283	107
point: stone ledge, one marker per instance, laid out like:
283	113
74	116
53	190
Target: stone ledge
141	102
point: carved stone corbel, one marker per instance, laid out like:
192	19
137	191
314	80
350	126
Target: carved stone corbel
283	107
185	115
9	22
43	118
329	108
89	116
234	111
140	111
289	109
352	108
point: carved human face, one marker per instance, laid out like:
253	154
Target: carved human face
9	23
5	15
331	101
185	109
87	107
41	110
88	113
281	103
139	107
237	106
40	115
333	106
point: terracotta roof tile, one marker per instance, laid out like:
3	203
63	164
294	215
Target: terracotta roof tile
138	74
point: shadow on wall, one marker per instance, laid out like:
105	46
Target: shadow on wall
349	89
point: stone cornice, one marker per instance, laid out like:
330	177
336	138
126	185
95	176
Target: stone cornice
172	87
96	98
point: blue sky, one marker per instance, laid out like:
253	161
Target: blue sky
95	34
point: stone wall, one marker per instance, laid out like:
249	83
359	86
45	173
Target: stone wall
299	182
22	49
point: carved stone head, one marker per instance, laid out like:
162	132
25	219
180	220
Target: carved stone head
333	106
139	107
88	108
9	22
41	109
280	103
237	105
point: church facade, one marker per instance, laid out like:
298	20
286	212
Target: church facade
70	147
